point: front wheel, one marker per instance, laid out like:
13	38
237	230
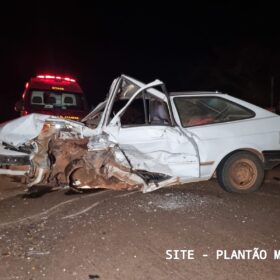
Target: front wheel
241	172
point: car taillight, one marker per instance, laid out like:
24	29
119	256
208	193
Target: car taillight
24	113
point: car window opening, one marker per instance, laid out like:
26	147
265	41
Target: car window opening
143	110
195	111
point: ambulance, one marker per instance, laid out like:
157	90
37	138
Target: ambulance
53	95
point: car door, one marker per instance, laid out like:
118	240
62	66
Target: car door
149	138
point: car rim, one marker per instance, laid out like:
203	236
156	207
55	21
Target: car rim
243	174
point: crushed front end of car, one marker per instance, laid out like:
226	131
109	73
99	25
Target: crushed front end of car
61	153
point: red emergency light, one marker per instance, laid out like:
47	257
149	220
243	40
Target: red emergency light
56	78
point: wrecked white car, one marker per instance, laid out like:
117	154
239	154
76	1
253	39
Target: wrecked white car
142	137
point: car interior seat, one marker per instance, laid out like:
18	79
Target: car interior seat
68	100
37	100
50	100
159	114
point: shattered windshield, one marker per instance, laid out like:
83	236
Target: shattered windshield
124	92
126	89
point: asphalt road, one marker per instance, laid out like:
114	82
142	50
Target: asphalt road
125	235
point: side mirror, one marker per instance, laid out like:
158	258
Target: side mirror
19	106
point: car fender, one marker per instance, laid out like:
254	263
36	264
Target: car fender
249	148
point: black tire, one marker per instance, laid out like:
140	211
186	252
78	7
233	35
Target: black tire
241	172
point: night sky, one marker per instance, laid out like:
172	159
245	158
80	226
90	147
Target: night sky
211	45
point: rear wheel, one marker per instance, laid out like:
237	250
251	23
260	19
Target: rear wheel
241	172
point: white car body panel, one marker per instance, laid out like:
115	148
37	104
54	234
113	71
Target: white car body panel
159	149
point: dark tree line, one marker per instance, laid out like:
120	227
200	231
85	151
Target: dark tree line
243	70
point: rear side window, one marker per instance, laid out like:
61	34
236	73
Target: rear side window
203	110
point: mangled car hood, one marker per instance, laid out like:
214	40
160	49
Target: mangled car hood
21	130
